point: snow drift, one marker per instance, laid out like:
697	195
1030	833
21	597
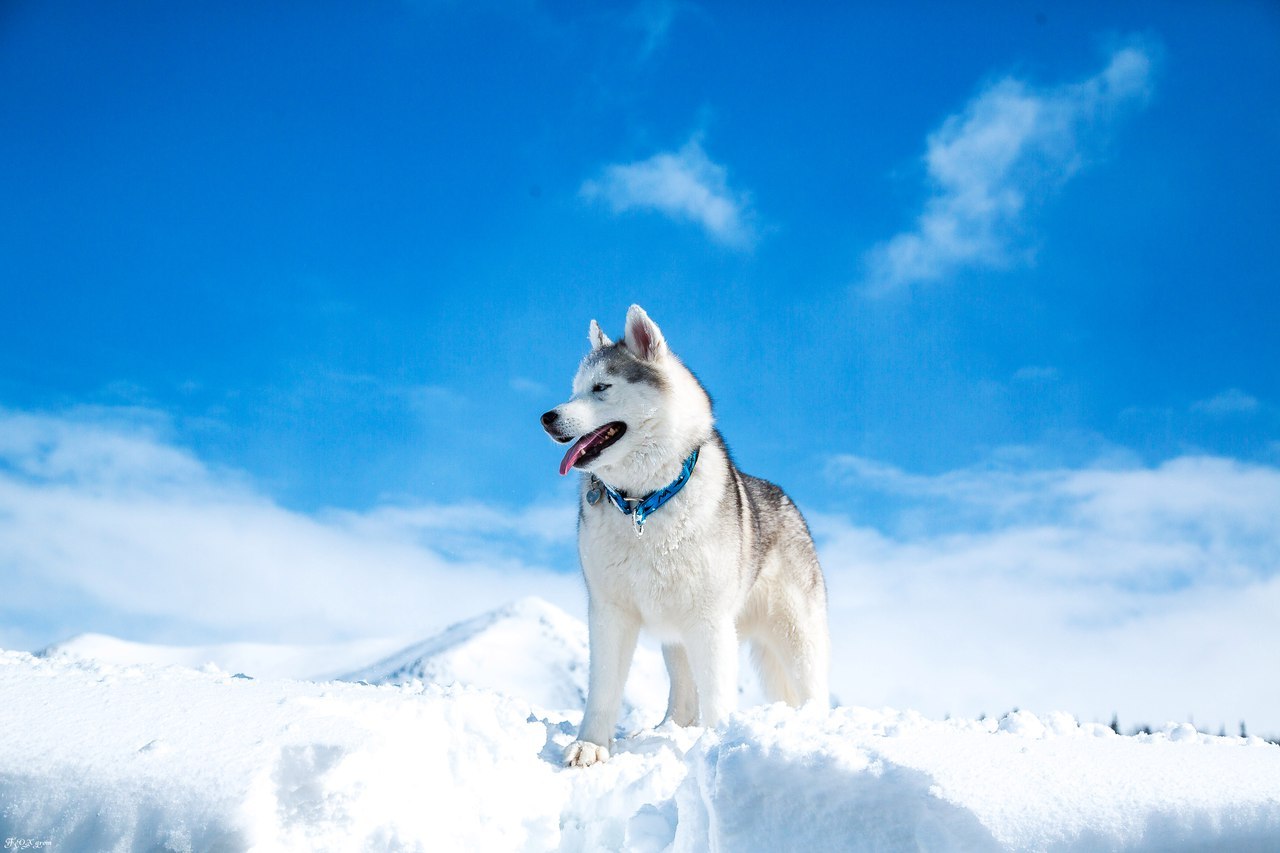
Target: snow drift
121	756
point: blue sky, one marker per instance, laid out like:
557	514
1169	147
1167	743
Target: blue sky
340	257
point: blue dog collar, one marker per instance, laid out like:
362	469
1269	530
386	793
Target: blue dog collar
641	508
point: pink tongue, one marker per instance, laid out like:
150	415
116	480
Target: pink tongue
580	447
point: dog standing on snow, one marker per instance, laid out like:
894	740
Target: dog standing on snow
675	539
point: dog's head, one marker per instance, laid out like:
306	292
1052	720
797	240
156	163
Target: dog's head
634	406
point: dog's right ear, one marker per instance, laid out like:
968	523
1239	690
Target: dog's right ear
598	338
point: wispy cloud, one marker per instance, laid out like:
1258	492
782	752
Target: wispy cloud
685	185
529	387
105	525
987	163
653	18
1148	591
1233	401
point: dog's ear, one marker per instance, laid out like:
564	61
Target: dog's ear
598	338
643	337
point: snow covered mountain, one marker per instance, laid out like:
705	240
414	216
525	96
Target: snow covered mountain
259	660
529	649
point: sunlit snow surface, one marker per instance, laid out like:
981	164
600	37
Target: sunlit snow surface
101	755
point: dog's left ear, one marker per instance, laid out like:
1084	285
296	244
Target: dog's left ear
599	340
643	337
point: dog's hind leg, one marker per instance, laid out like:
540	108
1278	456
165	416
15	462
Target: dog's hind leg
792	651
774	674
806	651
713	658
682	702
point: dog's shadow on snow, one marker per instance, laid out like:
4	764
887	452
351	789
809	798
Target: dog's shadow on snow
553	750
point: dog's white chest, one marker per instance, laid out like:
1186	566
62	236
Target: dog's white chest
664	575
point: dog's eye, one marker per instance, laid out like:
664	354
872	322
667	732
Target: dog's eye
598	387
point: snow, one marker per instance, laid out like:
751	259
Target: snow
100	754
894	780
264	660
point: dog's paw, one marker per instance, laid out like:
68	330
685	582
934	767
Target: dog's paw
583	753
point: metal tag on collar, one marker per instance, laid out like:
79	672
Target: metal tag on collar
635	509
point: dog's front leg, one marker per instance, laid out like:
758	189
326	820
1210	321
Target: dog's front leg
682	701
713	655
613	643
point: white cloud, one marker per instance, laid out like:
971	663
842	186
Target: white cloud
119	450
1233	401
1150	592
989	161
684	185
105	526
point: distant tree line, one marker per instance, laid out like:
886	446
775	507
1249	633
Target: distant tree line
1146	729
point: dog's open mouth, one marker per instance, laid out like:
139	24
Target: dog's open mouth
592	445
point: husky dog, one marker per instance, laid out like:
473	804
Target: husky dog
675	539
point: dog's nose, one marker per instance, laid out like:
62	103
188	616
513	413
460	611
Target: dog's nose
548	418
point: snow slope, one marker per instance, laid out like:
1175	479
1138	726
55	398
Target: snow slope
529	649
108	756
